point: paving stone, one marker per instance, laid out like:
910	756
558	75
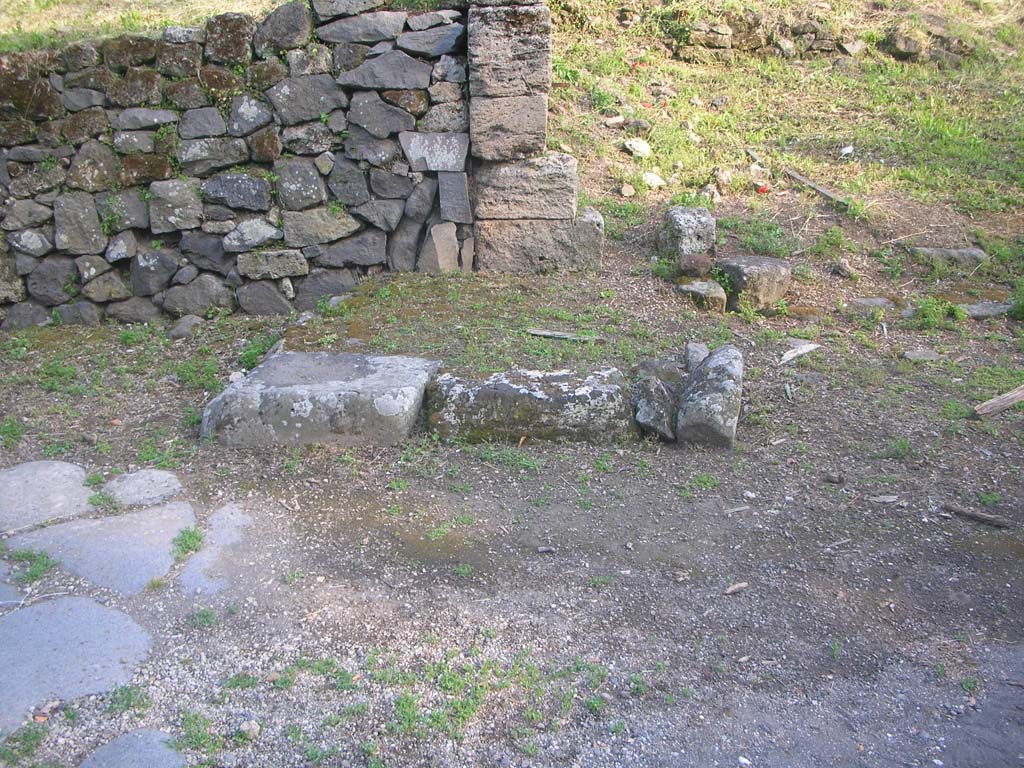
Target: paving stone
144	487
556	405
392	70
63	649
204	571
298	398
543	187
144	748
9	593
123	552
38	491
435	151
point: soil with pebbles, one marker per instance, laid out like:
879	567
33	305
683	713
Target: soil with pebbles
576	597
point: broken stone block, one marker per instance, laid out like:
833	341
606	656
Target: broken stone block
299	184
689	236
543	187
271	265
709	405
300	398
759	280
77	227
392	70
558	405
229	38
368	110
364	249
174	205
365	28
204	295
288	26
54	281
152	271
433	42
705	294
440	251
315	226
262	297
361	145
237	190
303	99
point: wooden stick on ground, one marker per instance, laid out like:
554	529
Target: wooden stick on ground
561	335
1001	403
828	194
996	521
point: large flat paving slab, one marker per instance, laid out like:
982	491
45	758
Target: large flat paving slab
38	491
123	553
63	649
143	488
301	397
204	572
9	593
144	748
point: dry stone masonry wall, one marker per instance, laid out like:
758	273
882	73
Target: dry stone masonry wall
263	166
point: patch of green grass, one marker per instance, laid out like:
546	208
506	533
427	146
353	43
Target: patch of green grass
57	448
898	448
600	582
760	235
241	680
198	734
463	569
11	432
22	743
620	216
203	618
970	685
932	312
38	564
104	502
187	541
168	457
128	698
56	376
831	244
255	349
989	498
198	373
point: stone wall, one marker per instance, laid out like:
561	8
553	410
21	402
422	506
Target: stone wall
263	166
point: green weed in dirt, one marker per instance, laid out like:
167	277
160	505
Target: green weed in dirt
22	744
37	564
255	349
128	698
11	432
198	734
188	541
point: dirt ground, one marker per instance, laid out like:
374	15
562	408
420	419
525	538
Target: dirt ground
555	605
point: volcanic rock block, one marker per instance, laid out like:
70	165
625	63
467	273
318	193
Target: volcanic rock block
709	405
298	398
556	405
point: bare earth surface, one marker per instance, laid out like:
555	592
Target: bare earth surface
447	604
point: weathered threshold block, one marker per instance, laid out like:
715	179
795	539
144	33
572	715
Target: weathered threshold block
297	398
539	405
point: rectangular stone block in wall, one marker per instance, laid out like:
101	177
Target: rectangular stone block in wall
537	246
509	50
544	187
509	128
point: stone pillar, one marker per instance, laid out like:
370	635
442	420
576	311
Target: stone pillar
524	201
